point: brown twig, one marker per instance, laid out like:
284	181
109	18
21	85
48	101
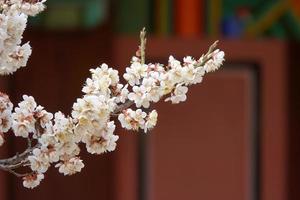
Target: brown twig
20	160
123	106
207	56
142	49
143	41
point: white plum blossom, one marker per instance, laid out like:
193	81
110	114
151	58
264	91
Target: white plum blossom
32	180
121	93
30	7
105	71
65	138
26	116
5	113
132	119
102	79
5	121
101	141
216	61
19	56
178	95
92	112
43	117
39	161
191	73
5	103
176	72
135	72
151	120
23	117
139	96
70	166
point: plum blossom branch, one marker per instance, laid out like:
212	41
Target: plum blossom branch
54	138
142	53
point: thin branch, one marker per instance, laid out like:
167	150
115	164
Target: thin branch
143	41
142	48
207	56
18	157
21	160
22	163
123	106
18	174
29	142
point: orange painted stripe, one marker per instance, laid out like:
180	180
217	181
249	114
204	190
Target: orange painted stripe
189	15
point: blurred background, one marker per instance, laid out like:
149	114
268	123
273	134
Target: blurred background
237	136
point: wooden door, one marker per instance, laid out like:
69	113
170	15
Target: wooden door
226	142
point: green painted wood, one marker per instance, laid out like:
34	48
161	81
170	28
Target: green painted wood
132	15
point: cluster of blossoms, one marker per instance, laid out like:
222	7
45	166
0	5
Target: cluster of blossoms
54	138
92	119
5	115
153	81
13	20
135	120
